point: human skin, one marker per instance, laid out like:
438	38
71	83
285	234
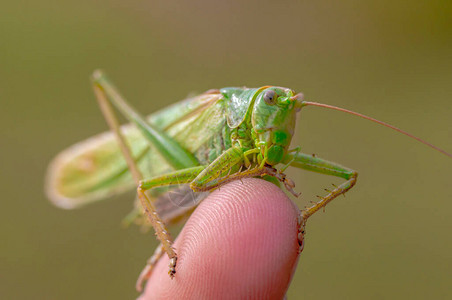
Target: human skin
240	243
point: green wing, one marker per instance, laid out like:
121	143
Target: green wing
95	169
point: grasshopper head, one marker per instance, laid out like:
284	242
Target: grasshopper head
273	120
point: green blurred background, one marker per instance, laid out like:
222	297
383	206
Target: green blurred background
390	238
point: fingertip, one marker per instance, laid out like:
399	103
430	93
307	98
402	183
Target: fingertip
240	242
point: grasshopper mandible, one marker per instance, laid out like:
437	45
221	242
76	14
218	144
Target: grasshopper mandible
197	144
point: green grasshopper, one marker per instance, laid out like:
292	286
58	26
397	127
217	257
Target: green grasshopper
193	147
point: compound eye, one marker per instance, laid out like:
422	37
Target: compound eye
270	97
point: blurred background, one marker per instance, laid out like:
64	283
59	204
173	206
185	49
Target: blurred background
390	238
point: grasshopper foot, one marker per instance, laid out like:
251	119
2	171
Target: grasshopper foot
172	267
301	231
147	271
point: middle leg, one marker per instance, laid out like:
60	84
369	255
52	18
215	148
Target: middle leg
176	177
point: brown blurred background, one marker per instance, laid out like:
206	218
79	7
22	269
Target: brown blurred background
390	238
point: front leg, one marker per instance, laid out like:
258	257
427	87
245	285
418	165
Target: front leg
319	165
229	162
228	167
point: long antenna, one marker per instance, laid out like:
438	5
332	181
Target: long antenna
306	103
